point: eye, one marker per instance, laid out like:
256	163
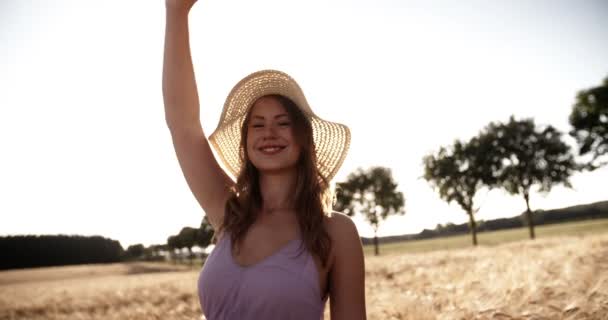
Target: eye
257	125
284	124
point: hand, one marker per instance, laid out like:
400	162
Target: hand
179	5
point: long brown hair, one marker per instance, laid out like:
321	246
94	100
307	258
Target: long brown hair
312	198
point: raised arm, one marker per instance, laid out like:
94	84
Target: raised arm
206	179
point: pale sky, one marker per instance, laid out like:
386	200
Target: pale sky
85	149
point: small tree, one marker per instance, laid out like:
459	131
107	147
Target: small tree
589	120
135	251
188	237
531	156
152	252
372	192
173	243
204	234
459	171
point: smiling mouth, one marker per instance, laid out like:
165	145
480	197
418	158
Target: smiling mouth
271	149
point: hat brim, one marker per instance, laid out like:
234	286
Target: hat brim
332	140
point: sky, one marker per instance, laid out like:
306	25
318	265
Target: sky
84	148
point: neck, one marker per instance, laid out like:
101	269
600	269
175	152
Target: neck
277	190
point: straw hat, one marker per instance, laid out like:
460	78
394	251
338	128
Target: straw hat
331	139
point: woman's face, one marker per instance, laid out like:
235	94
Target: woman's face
271	145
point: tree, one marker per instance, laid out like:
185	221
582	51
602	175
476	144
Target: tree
28	251
372	192
589	120
173	243
204	234
153	252
135	251
530	156
459	171
187	238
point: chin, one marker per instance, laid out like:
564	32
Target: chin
267	169
274	165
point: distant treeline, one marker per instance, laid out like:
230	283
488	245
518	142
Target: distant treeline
596	210
29	251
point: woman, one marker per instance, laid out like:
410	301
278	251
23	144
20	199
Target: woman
280	252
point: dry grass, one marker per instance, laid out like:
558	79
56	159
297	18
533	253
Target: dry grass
552	278
118	291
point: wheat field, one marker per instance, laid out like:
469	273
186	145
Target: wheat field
550	278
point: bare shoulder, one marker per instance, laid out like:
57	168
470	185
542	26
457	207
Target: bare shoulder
346	269
343	233
341	227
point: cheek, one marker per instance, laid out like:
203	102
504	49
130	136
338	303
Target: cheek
294	141
249	140
249	147
297	150
291	136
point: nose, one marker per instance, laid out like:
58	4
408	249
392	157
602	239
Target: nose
269	133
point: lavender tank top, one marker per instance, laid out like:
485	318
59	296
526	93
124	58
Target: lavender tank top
282	286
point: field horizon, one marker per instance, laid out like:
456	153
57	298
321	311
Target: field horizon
552	277
492	238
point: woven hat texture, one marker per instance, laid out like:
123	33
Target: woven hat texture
331	139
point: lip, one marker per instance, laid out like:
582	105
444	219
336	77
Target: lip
271	149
